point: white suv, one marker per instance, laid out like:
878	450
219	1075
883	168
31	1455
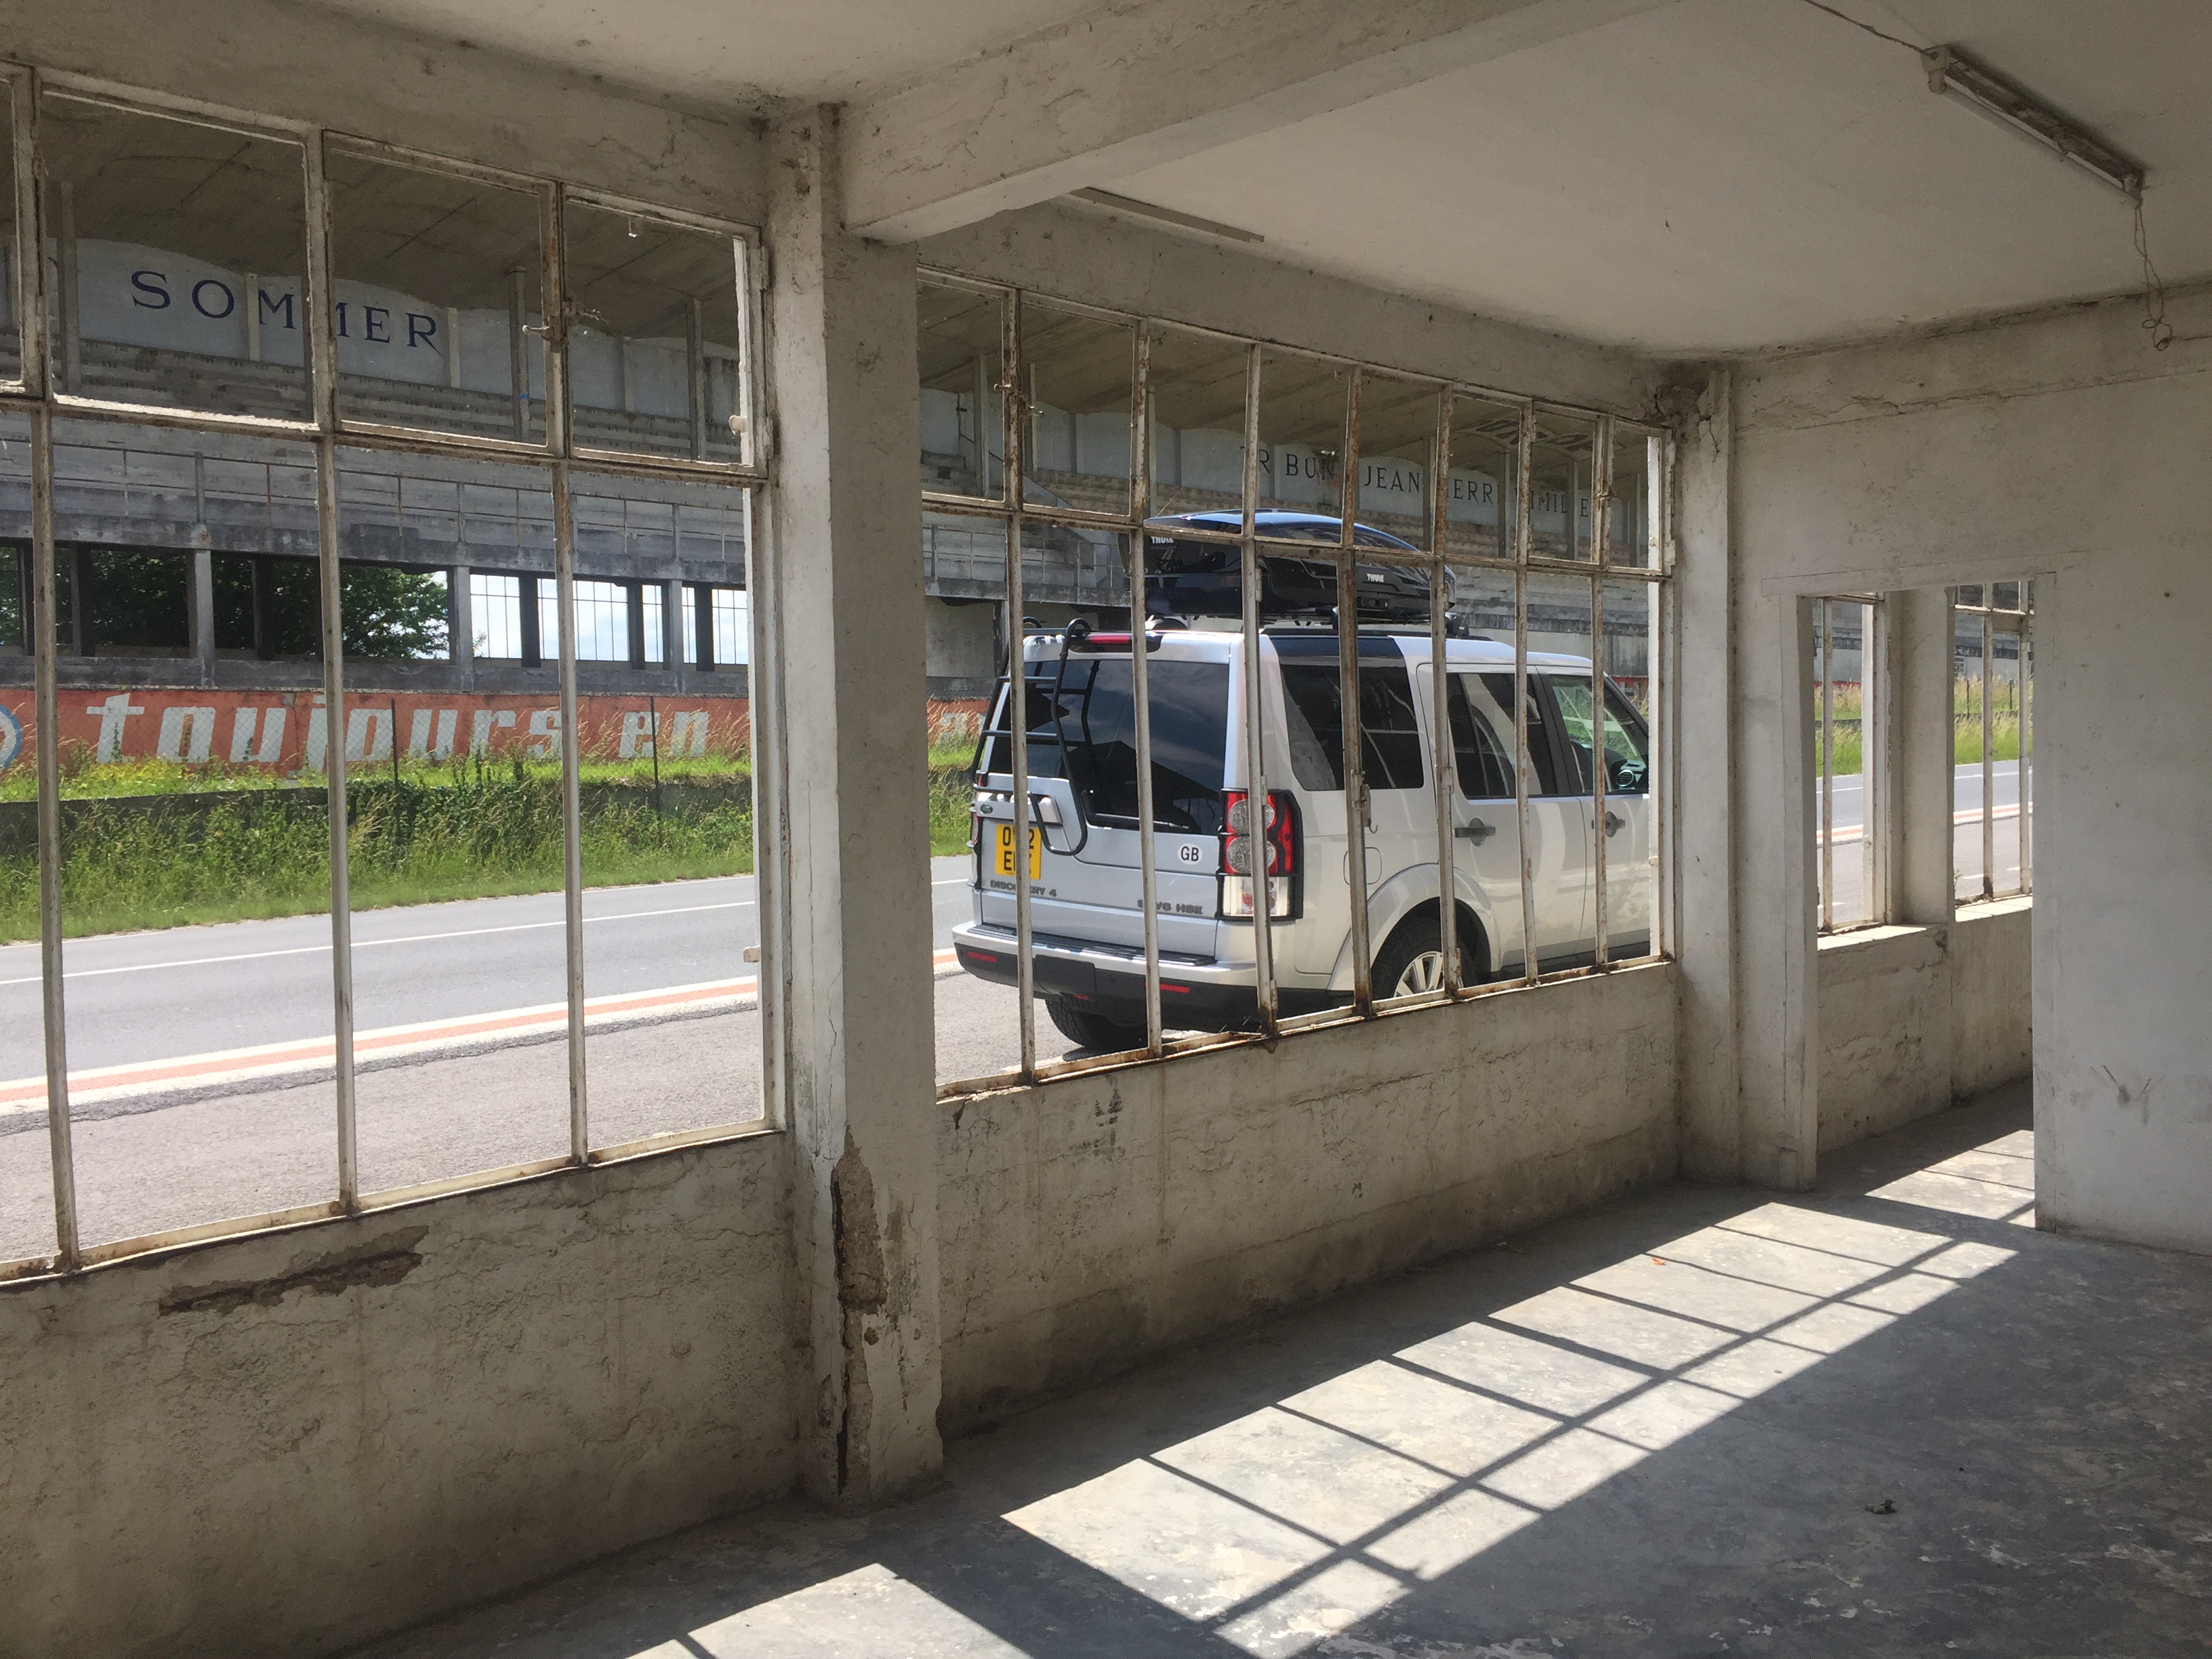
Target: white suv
1086	904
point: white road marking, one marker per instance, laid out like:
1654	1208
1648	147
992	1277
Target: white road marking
406	939
411	939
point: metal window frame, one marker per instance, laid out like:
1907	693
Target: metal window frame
35	396
2019	622
1875	760
1652	564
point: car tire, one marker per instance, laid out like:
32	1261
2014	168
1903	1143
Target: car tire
1412	958
1087	1030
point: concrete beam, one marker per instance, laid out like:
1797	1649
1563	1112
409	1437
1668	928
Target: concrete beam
836	563
1131	87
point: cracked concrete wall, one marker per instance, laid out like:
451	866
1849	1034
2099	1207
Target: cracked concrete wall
2062	447
288	1443
1093	1219
1913	1018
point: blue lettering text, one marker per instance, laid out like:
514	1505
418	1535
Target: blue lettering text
199	300
160	295
342	321
279	308
421	330
373	318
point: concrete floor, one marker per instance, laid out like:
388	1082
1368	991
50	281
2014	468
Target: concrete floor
1885	1418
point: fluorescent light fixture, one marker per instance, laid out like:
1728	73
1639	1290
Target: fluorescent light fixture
1107	198
1982	89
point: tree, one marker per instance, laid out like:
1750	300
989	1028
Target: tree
387	613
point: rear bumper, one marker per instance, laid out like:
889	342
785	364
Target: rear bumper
1193	997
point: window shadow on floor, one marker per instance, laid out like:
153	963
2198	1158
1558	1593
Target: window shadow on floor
1882	1417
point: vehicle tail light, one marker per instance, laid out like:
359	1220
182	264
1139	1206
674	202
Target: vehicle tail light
1244	845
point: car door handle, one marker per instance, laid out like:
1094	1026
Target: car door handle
1614	823
1474	829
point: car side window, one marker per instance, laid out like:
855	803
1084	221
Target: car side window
1390	736
1500	687
1485	774
1625	770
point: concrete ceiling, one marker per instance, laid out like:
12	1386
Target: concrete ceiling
828	50
1722	175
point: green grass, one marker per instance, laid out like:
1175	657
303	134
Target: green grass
409	843
81	778
451	830
1966	723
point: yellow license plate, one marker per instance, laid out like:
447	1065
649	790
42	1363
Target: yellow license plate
1005	866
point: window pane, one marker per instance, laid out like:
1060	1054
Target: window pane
1632	879
656	359
452	780
2007	690
1560	485
964	431
1081	371
195	852
673	1007
1390	738
1485	448
1843	826
1630	524
1303	406
495	612
978	1018
15	597
1198	428
1968	716
1397	439
1563	819
438	282
11	281
603	621
179	253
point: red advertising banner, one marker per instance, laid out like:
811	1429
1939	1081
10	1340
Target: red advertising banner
286	731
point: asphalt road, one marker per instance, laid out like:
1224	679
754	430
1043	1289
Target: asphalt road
460	1008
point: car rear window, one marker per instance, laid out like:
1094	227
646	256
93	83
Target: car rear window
1390	738
1091	739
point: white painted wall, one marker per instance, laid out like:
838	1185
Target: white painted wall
1913	1018
2064	446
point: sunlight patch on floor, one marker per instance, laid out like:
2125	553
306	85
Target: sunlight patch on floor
1287	1526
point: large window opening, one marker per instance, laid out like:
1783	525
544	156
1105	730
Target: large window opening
377	796
1312	719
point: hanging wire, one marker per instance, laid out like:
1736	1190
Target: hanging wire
2154	293
1877	33
2154	289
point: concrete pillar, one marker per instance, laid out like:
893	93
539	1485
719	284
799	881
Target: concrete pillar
1777	963
839	558
461	627
201	589
672	628
1744	798
1922	795
1705	709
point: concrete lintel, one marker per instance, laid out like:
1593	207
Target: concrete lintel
1128	87
841	575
